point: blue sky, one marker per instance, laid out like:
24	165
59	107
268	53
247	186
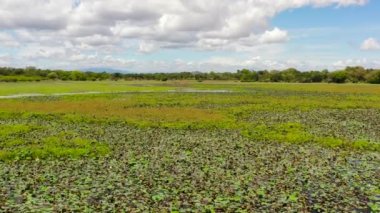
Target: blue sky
337	32
179	35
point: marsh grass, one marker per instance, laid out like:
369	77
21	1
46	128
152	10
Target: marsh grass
16	144
231	111
7	130
54	87
295	133
159	152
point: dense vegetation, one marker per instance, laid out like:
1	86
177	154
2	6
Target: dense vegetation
187	146
350	74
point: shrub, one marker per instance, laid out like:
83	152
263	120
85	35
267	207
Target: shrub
373	77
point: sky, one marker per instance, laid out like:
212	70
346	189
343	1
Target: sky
189	35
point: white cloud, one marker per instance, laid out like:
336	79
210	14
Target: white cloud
351	62
147	47
34	14
42	52
7	40
5	59
160	20
61	29
256	63
97	40
274	36
370	44
365	62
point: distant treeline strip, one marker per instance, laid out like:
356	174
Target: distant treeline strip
348	75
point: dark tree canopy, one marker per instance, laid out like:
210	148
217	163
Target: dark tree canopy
348	75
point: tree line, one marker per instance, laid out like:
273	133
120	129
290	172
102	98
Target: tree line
348	75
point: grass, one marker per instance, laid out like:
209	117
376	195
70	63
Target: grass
293	87
53	87
8	130
56	87
19	78
297	134
209	110
258	148
18	142
50	148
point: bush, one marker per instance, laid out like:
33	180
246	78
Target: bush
52	76
338	77
19	78
373	77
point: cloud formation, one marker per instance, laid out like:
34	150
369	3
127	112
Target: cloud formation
65	30
370	44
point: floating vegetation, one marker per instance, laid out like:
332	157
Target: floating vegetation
259	148
23	142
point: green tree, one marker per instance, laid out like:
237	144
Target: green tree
356	74
373	77
248	76
52	76
291	75
275	76
77	76
338	77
